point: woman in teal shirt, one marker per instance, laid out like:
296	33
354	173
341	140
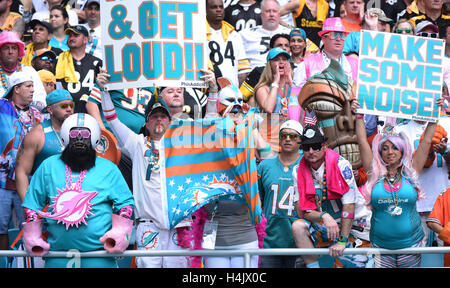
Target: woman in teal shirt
392	190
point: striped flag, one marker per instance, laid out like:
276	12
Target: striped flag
208	160
310	118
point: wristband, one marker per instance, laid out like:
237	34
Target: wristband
342	243
342	239
359	116
274	85
346	215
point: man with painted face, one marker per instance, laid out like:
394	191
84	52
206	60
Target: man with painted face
90	204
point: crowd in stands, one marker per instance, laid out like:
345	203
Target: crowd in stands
263	54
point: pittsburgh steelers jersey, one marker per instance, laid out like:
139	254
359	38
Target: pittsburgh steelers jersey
226	51
243	16
85	71
257	41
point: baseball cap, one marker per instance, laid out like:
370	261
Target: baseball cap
425	24
380	13
312	134
77	29
274	52
92	1
294	125
154	104
17	78
44	51
298	32
58	95
47	25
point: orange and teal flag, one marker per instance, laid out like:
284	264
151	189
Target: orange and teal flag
208	160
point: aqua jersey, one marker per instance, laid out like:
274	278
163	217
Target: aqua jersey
129	105
102	189
52	145
395	231
276	188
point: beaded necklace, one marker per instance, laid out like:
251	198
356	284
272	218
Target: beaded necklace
31	114
3	78
152	155
69	179
394	186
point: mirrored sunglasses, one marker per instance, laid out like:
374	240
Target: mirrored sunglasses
405	30
75	132
292	136
45	58
334	35
65	105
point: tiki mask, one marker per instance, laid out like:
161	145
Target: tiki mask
328	94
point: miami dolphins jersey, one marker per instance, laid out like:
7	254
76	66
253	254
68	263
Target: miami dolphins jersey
276	188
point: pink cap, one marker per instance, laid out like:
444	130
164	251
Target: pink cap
332	24
11	37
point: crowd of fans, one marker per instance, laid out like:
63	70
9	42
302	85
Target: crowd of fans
262	54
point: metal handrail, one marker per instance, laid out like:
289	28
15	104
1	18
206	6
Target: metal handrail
246	253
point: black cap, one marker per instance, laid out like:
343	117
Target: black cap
77	29
313	134
43	23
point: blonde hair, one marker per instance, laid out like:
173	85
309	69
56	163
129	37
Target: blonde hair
400	21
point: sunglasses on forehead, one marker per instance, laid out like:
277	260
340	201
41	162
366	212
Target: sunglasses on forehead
316	147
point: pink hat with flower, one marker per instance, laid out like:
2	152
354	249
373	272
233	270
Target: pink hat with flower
11	37
332	24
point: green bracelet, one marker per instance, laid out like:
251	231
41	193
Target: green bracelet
342	243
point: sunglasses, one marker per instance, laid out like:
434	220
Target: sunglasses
292	136
428	34
65	105
76	132
334	35
45	58
316	147
405	30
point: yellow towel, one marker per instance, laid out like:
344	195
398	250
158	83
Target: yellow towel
226	30
65	69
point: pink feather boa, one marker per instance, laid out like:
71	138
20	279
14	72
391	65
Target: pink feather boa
196	234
